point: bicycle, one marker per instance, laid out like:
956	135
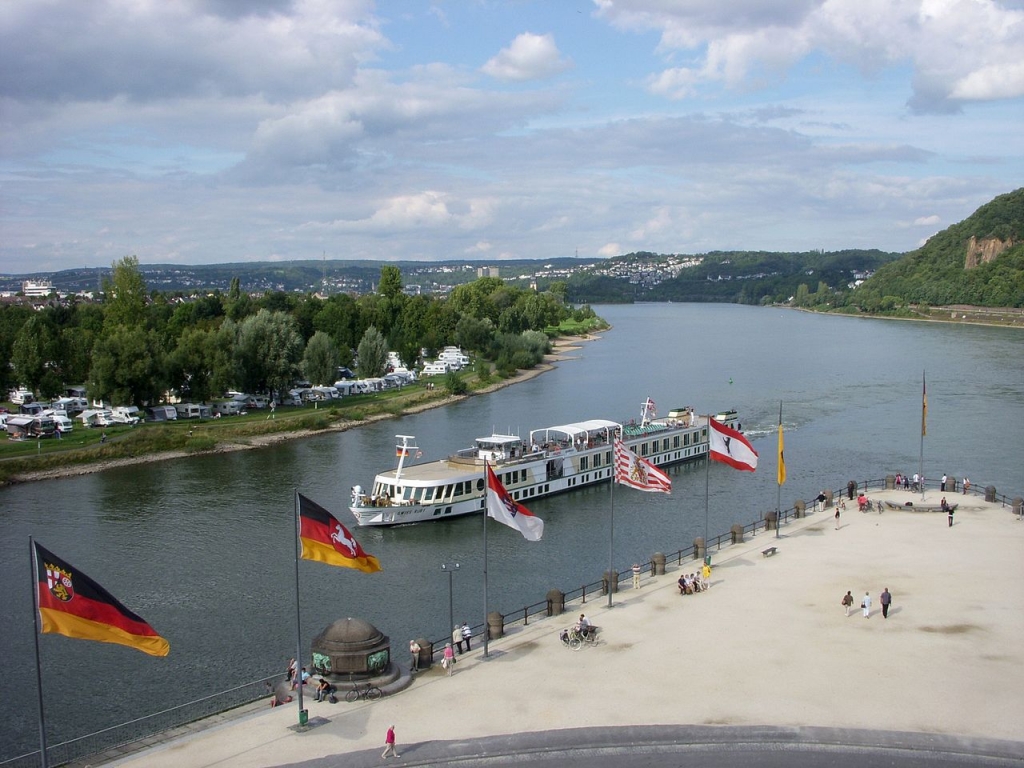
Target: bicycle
574	639
369	692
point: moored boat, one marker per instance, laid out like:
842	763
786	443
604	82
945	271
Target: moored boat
551	460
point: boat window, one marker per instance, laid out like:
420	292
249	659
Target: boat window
644	449
686	439
480	484
597	460
664	444
608	458
675	441
584	463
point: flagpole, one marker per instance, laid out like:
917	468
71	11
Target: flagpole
707	486
778	476
487	629
35	635
611	534
924	427
298	615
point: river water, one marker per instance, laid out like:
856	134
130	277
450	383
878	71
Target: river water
203	548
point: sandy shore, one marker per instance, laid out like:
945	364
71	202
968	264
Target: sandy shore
562	349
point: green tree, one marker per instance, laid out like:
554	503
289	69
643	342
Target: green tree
12	318
192	366
125	294
127	367
31	352
321	360
373	353
268	350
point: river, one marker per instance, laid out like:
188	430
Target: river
203	548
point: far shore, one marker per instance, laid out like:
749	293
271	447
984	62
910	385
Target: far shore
562	349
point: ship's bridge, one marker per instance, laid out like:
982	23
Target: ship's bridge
499	448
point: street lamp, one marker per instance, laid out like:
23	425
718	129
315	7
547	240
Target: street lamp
450	568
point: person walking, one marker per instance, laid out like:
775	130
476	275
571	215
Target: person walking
848	601
448	659
866	605
636	575
457	637
837	517
705	575
886	600
414	651
467	635
949	515
389	743
967	485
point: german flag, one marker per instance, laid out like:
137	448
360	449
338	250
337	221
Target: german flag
72	604
326	540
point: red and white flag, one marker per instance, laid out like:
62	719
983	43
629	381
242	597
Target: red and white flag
729	446
638	473
505	509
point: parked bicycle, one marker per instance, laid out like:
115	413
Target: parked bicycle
575	639
371	692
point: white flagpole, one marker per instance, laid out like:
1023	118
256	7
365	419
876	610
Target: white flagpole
487	492
924	426
707	486
35	635
778	497
611	527
298	615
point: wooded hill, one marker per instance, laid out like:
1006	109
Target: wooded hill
979	261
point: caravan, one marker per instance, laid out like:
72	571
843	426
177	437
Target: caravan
438	368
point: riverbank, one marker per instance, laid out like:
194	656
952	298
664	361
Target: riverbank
562	349
768	644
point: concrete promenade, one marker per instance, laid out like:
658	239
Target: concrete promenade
767	649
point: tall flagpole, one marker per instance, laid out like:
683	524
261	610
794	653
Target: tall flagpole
707	485
38	630
298	614
487	491
781	477
611	531
924	427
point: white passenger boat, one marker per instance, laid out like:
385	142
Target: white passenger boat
550	460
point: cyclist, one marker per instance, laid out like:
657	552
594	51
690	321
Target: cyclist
583	626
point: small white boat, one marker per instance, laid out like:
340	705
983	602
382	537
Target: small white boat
550	460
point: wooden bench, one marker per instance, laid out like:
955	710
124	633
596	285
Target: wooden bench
768	552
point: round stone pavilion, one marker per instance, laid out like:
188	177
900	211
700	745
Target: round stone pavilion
352	649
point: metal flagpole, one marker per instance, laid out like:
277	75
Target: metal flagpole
487	492
303	715
779	477
707	486
611	530
38	630
924	427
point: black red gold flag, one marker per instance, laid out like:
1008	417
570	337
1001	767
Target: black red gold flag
72	604
326	540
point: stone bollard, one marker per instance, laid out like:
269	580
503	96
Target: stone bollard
799	507
1018	506
828	498
658	564
699	550
890	482
613	578
990	493
495	625
771	520
737	533
426	654
556	602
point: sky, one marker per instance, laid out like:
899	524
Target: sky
213	131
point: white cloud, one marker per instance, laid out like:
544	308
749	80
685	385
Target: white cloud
610	249
927	221
529	57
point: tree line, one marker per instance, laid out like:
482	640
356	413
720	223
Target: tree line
133	346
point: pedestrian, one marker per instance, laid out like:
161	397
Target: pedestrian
949	515
847	601
389	743
942	484
414	651
886	600
448	659
291	670
837	517
967	485
467	635
820	501
705	575
866	605
457	637
851	487
636	575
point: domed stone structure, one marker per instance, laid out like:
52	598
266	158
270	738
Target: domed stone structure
352	647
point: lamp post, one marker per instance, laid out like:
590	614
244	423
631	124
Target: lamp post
450	568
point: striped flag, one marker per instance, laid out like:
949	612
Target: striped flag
503	508
924	406
782	458
325	540
729	446
73	605
638	473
